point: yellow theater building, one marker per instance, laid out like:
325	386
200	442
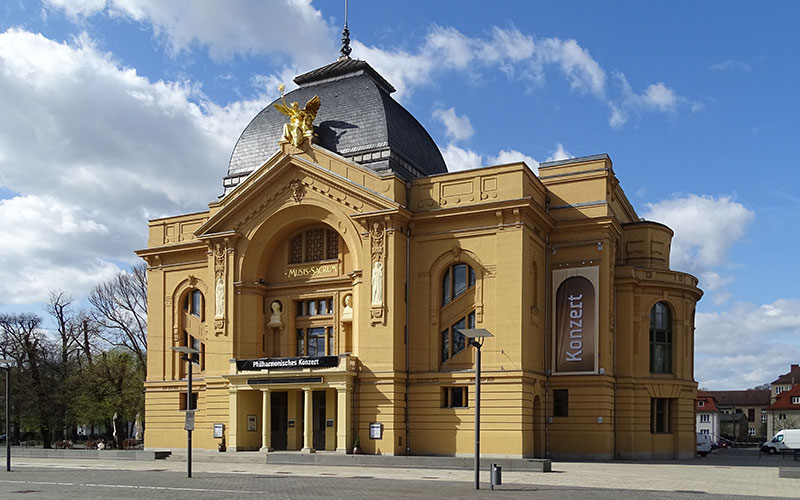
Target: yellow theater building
325	291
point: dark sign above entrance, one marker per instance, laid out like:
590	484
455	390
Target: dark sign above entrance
287	363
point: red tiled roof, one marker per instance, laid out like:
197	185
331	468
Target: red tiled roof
793	377
784	400
709	405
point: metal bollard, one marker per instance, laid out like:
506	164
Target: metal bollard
496	475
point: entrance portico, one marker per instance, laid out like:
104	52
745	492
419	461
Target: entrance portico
287	409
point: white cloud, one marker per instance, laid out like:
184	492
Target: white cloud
582	71
747	345
730	64
509	50
657	97
560	154
457	158
513	156
225	28
94	150
705	230
41	230
457	128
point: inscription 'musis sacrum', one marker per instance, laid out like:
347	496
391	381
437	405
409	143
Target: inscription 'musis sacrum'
311	271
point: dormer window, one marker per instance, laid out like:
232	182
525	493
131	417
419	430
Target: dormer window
314	245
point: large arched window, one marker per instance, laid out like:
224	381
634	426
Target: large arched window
194	325
660	339
313	245
457	279
458	308
194	304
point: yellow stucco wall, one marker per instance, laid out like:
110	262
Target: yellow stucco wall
514	229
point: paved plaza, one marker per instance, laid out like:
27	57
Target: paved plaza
724	474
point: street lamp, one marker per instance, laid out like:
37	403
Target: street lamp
473	335
188	355
6	365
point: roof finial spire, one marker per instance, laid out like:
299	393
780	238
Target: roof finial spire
345	50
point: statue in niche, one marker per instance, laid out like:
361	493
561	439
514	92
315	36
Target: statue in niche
347	311
377	283
275	318
219	295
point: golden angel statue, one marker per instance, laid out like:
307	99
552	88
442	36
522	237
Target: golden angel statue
300	124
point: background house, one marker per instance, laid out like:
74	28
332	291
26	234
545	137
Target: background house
784	413
707	415
785	382
752	404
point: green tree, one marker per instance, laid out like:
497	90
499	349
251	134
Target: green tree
113	383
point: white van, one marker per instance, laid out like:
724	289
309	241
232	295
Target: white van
785	440
703	444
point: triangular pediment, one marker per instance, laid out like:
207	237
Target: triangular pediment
295	179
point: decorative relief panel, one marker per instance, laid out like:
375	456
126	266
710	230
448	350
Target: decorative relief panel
377	266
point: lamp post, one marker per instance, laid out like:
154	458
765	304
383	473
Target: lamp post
6	365
188	355
473	335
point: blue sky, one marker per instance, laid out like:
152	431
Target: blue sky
116	111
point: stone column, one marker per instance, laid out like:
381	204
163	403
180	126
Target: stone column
266	420
343	437
308	422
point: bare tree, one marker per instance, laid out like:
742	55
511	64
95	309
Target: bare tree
68	328
119	306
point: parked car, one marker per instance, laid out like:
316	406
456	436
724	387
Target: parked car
703	444
724	443
785	440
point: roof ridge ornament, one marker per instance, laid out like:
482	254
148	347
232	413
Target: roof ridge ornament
345	50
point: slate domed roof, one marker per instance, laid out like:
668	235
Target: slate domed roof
358	119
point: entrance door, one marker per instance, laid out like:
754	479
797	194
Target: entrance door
318	410
279	416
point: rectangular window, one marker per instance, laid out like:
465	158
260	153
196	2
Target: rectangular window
751	431
705	417
455	397
660	352
781	416
751	414
796	400
445	345
705	431
763	417
314	307
316	342
701	404
560	402
182	401
660	421
301	342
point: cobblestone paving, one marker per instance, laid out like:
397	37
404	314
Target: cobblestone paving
723	475
88	484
